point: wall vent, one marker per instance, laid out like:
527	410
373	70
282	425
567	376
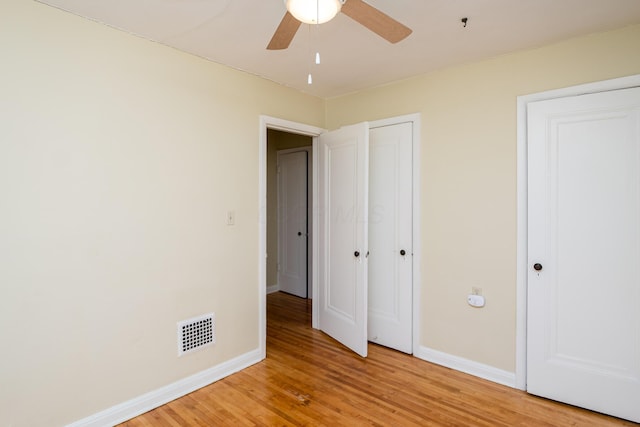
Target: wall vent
196	333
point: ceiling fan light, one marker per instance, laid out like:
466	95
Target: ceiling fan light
314	11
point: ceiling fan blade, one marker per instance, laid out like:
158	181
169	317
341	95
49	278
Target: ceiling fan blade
284	33
378	22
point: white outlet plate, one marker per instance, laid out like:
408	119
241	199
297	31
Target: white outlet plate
475	300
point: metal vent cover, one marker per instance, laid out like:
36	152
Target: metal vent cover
196	333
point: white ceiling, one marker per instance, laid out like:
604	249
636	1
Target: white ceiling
236	33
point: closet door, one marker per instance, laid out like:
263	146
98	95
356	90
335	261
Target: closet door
390	236
583	321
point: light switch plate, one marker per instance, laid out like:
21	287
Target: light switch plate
231	217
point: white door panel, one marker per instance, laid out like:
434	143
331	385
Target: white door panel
390	233
583	327
342	196
292	222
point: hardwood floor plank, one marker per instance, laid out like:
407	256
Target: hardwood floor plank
308	379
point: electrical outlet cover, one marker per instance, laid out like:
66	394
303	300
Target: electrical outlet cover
475	300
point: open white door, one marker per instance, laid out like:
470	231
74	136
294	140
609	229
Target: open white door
342	223
583	322
292	222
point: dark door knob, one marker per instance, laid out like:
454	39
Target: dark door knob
403	252
356	254
537	266
299	233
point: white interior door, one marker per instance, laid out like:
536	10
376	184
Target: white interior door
583	325
342	215
292	222
390	236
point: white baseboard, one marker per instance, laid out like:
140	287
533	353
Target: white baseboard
467	366
273	288
141	404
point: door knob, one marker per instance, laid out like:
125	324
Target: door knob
299	233
356	254
403	252
537	266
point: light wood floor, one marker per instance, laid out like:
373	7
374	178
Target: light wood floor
309	379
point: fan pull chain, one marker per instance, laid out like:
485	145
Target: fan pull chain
309	77
313	40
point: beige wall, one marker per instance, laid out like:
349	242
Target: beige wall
276	140
118	160
468	168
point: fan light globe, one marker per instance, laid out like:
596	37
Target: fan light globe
313	11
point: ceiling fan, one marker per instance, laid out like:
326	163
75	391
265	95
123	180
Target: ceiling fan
320	11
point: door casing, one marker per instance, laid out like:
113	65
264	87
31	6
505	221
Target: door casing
522	207
268	122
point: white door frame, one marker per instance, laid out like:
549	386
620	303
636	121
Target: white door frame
267	122
522	197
